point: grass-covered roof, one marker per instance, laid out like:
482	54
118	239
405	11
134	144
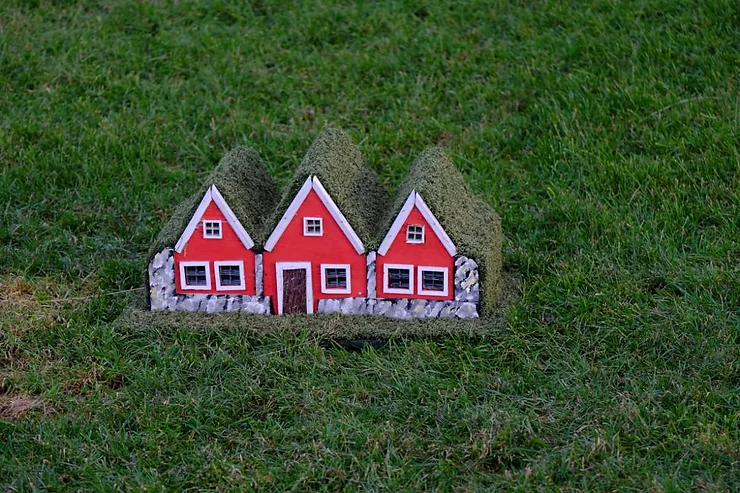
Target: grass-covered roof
470	222
341	168
248	188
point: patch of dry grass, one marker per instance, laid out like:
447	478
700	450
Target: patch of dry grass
17	406
29	303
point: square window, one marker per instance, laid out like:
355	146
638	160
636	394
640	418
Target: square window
399	278
336	278
415	233
196	275
312	226
211	229
230	275
432	280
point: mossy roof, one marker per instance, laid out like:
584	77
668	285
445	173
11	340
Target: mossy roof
248	188
464	216
342	170
470	222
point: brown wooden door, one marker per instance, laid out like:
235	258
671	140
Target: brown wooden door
294	291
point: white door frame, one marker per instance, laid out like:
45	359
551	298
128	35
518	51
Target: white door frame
279	268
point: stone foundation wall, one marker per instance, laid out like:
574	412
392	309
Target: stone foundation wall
162	294
465	305
467	281
400	308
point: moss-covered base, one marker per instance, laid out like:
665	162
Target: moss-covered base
137	316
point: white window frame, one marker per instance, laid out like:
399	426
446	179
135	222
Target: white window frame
226	263
220	229
386	277
327	290
414	241
183	277
420	280
305	226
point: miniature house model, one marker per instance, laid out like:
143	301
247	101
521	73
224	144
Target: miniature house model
333	242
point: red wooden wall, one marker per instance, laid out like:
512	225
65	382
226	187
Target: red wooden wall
430	253
228	247
331	248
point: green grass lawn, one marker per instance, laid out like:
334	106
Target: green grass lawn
606	135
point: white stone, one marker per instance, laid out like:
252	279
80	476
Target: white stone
382	306
371	282
258	274
466	311
434	308
352	306
418	308
448	311
399	310
329	305
216	304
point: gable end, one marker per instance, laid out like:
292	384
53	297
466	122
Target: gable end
313	183
415	200
213	195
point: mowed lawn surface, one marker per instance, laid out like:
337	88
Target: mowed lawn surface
606	134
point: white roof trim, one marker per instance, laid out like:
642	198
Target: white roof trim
241	233
289	213
397	224
338	216
438	229
313	183
213	195
190	229
415	199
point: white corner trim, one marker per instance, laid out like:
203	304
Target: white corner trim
313	183
327	290
212	194
288	216
420	284
436	227
423	234
305	226
190	229
338	216
397	224
183	284
279	268
231	218
220	229
408	267
220	263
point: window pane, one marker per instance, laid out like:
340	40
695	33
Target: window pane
230	275
415	233
313	226
432	281
336	278
195	275
213	229
399	278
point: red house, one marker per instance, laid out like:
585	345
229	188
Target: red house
313	253
316	250
416	258
214	253
319	254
